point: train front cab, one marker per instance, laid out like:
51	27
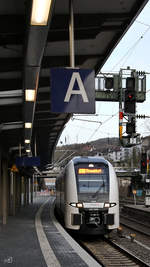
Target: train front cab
92	207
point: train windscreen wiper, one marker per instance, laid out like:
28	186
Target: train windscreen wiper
96	193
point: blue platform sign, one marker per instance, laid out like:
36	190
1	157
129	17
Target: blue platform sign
27	161
72	90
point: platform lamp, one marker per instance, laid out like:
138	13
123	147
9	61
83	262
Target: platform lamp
27	136
28	150
27	141
30	95
41	12
28	125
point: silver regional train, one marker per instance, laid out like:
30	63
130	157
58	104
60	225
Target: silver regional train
87	196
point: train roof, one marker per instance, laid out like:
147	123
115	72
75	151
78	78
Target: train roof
89	159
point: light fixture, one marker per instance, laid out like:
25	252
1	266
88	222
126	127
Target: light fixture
76	205
106	205
30	95
28	150
28	125
27	141
40	12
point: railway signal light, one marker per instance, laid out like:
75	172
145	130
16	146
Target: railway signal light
130	83
130	96
109	83
130	126
144	163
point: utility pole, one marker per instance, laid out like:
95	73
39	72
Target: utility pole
146	176
147	183
129	88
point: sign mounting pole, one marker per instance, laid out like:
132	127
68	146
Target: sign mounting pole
77	94
71	35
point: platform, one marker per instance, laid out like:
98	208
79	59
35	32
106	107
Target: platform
35	238
138	207
138	212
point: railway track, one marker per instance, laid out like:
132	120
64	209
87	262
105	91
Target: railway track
130	202
108	253
136	219
133	224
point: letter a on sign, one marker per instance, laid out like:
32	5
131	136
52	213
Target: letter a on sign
72	90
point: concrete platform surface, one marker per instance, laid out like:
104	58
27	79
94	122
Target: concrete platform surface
35	238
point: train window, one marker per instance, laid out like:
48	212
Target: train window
94	181
90	184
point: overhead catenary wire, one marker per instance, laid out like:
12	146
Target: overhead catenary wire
101	125
99	122
131	49
141	22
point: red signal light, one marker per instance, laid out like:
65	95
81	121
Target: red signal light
129	101
130	96
120	115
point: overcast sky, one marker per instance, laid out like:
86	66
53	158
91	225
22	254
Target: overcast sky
133	50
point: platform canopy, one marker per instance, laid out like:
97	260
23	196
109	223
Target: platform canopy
28	49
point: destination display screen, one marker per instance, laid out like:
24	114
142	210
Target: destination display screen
89	171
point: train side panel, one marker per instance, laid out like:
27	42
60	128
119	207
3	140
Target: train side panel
70	197
60	194
113	197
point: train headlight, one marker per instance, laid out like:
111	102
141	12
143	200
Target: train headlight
73	204
112	204
77	205
106	205
109	205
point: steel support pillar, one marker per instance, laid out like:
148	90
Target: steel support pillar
27	191
18	188
14	195
4	191
32	188
1	185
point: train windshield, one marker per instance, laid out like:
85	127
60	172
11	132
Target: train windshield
92	182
